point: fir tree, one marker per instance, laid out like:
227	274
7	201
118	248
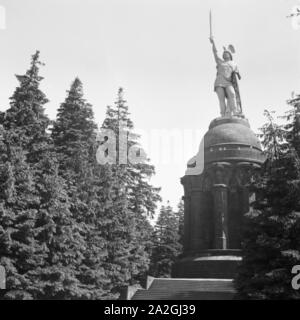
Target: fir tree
166	242
74	135
143	197
271	239
133	197
39	240
180	215
20	251
25	119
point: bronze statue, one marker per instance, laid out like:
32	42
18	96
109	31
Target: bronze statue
226	84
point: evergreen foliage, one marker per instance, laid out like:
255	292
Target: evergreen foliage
74	135
70	227
133	199
166	238
38	238
271	239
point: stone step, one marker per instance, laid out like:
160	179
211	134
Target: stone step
187	289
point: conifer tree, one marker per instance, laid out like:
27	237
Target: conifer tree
271	239
143	197
133	197
167	245
20	252
180	215
39	241
74	136
74	133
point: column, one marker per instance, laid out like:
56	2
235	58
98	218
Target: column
220	193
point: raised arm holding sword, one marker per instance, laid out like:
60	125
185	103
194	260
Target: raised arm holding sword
226	85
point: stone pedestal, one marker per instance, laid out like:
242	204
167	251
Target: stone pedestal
216	200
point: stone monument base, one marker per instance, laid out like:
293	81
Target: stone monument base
209	264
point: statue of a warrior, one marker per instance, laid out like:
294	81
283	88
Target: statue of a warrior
226	84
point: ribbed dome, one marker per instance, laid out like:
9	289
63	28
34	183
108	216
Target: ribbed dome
231	139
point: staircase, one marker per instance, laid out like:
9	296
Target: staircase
186	289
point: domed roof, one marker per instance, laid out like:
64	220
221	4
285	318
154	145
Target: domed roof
231	131
231	139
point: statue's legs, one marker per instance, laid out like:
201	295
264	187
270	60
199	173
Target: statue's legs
221	95
231	100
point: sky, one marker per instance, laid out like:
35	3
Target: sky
159	52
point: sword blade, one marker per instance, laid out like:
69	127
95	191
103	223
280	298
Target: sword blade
210	24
